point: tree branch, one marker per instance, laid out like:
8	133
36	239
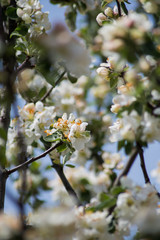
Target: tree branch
50	90
68	187
33	159
119	8
143	166
127	167
3	178
24	65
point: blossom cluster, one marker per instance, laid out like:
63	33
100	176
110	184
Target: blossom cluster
69	222
133	26
150	6
73	129
37	120
31	13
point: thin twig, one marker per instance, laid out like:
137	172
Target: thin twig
127	167
119	8
143	166
50	90
24	65
68	187
33	159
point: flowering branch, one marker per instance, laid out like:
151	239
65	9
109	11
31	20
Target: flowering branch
127	167
144	170
119	8
68	187
33	159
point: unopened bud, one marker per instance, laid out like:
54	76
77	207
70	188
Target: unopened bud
27	18
20	12
103	72
109	12
100	18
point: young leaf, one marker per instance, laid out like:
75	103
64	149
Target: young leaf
70	17
53	138
106	204
69	165
124	8
113	79
116	190
71	78
62	147
11	12
121	144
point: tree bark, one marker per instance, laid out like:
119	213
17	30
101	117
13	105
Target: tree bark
3	178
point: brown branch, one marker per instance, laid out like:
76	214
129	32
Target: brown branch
24	65
50	90
127	167
68	187
33	159
119	8
143	166
3	178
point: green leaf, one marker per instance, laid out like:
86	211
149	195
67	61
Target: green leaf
41	93
70	165
128	147
3	133
113	79
70	17
116	190
20	46
20	31
104	3
127	2
124	8
37	203
71	78
113	176
137	106
34	167
66	158
104	197
62	147
53	138
11	12
111	226
106	204
22	57
121	144
84	181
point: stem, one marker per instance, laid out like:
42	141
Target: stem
3	178
127	167
24	65
50	90
31	160
68	187
143	166
119	8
